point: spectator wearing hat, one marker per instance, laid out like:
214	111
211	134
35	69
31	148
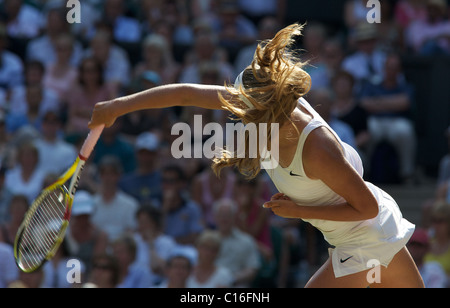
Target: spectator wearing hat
367	62
84	240
431	36
432	273
144	183
115	210
178	269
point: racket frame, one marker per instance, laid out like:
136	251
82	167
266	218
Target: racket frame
74	174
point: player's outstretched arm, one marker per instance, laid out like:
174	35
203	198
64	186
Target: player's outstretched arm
204	96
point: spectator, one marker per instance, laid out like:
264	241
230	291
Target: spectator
114	60
11	70
157	57
89	89
432	273
55	154
239	251
408	11
32	280
206	274
26	177
61	74
36	101
347	108
322	101
366	64
125	29
234	30
327	61
256	10
431	36
18	206
105	272
43	48
208	188
178	270
154	247
182	216
388	104
113	142
440	243
20	98
131	274
83	239
206	49
144	184
8	269
23	21
355	12
57	270
115	211
267	28
251	217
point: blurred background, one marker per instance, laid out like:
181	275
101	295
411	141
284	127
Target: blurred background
144	219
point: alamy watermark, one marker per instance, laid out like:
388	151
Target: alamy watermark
374	14
74	14
193	144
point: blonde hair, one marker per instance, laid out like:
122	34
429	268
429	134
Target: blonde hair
273	83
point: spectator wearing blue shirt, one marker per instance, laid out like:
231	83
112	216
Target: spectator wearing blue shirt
388	104
131	273
144	183
183	217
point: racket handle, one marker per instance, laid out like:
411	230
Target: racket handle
90	142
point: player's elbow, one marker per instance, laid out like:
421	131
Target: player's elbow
371	211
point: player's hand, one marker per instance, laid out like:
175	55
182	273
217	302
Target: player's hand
102	114
281	205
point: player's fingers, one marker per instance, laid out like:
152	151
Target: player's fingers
271	204
277	196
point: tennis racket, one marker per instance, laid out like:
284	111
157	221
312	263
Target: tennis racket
43	228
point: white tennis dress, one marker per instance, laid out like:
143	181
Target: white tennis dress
357	244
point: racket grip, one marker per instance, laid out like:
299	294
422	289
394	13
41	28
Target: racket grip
90	142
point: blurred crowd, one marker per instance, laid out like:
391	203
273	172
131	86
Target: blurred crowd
144	219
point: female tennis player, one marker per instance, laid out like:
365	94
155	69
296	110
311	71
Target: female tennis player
318	176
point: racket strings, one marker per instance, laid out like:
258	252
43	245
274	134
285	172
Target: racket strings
42	232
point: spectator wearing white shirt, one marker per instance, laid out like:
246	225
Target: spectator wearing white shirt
23	21
239	251
55	154
206	273
431	36
43	48
26	177
366	64
115	211
115	62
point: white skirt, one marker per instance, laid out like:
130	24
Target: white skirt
375	241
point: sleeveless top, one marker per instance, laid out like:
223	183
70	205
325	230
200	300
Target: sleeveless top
294	183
